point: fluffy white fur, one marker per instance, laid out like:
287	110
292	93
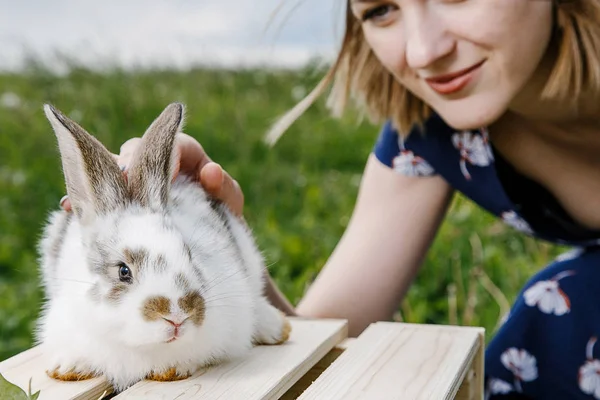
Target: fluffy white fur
86	332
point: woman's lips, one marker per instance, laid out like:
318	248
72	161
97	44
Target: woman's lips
454	82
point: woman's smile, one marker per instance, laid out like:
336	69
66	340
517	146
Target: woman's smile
454	82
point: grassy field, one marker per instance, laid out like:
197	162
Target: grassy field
299	195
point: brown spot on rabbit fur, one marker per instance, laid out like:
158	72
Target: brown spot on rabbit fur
140	258
161	263
167	376
155	307
182	282
137	258
193	304
117	291
70	375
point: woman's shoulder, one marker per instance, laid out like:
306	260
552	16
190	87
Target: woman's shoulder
433	147
464	158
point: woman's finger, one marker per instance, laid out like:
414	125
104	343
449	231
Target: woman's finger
219	184
126	152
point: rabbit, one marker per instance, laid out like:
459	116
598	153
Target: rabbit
148	277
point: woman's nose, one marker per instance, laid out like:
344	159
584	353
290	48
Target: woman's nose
427	40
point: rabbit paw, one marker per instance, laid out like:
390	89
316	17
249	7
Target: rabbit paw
70	374
285	331
273	326
172	374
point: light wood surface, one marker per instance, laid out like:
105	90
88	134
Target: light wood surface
30	365
389	360
267	374
401	361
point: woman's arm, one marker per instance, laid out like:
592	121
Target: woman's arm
392	226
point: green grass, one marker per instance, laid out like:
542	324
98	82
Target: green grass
299	195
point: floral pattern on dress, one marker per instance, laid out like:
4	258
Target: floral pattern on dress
522	365
474	149
589	373
504	318
410	164
513	219
570	255
498	386
548	296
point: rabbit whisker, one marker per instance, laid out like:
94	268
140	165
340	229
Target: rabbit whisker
217	301
225	295
217	281
70	280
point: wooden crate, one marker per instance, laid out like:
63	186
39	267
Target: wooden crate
388	361
405	361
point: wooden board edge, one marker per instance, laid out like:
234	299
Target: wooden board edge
322	350
313	373
472	360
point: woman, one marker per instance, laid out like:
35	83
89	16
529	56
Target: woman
497	99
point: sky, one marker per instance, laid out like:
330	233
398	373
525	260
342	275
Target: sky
170	33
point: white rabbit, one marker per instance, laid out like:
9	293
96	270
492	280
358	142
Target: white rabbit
147	278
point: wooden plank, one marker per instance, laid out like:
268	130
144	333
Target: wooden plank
266	374
473	384
400	361
30	364
479	369
308	378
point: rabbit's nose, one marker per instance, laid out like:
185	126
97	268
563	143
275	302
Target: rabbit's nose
175	322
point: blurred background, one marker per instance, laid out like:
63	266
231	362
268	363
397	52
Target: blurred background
237	65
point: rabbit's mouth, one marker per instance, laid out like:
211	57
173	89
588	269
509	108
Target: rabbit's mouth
175	334
175	329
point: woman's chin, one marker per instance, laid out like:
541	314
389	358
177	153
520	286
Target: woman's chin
471	112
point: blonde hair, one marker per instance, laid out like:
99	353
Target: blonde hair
357	73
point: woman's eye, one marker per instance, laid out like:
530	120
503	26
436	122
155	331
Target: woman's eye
125	273
376	12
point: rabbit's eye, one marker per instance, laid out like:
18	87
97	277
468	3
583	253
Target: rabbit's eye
125	273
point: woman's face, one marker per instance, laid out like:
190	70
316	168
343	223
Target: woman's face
467	59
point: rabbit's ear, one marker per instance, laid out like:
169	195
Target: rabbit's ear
152	166
95	184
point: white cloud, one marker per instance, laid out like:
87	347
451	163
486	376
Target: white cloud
170	32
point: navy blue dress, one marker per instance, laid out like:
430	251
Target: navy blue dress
546	348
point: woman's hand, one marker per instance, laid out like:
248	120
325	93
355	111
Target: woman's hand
193	161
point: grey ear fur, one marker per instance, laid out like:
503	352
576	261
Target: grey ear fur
95	183
152	167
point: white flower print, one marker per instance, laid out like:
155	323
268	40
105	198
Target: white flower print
474	148
570	255
410	164
504	318
522	364
589	373
498	386
548	296
513	219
